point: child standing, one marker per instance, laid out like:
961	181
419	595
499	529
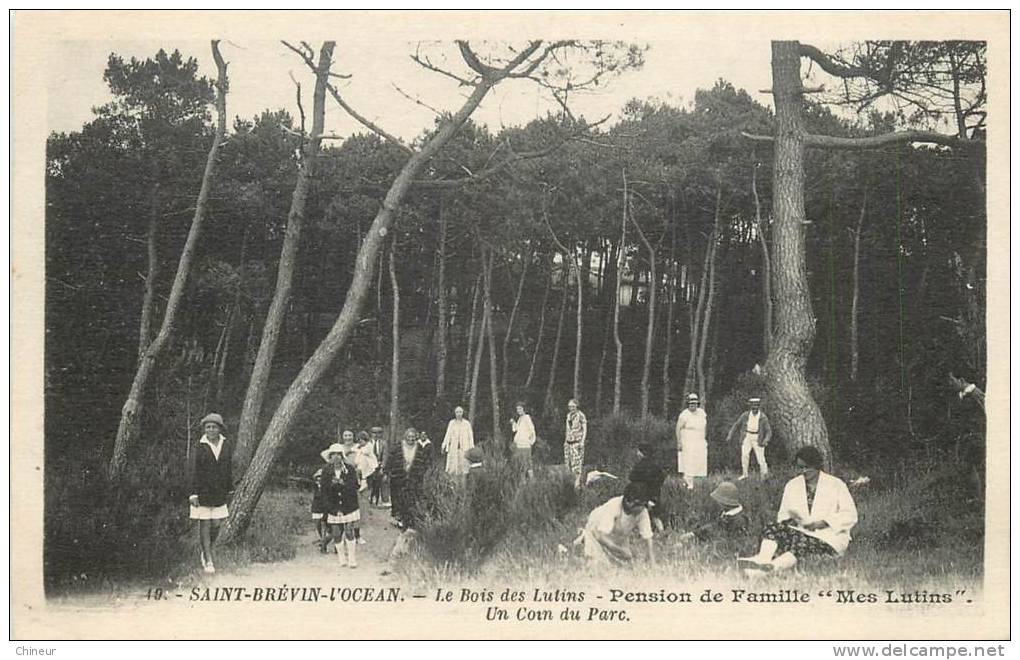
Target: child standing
342	511
211	485
319	511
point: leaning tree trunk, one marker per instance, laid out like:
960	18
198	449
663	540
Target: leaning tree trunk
250	489
255	395
493	376
796	417
127	430
441	312
475	293
696	316
395	361
479	345
149	299
525	258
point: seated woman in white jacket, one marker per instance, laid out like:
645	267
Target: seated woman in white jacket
815	518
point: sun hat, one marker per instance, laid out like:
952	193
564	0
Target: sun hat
726	494
692	397
754	399
376	429
335	448
215	418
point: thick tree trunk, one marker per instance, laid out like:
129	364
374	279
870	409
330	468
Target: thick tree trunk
475	294
854	345
149	298
493	376
441	312
525	259
395	360
255	395
127	430
795	416
551	384
541	328
251	486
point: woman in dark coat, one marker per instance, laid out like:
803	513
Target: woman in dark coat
406	466
211	485
340	499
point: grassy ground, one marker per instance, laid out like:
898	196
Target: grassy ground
924	531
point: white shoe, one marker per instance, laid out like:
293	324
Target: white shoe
361	541
386	505
352	554
201	558
209	568
742	478
341	556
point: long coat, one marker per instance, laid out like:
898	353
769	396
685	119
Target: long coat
406	480
833	504
209	478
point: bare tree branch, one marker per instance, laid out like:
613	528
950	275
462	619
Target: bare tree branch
424	62
873	141
416	100
365	122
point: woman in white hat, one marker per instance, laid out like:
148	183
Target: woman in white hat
692	449
211	485
340	500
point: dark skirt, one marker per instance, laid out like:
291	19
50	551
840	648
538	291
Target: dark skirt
796	541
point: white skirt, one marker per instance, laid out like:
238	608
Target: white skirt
316	516
209	512
353	516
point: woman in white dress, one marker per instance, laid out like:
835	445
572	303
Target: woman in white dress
459	438
692	449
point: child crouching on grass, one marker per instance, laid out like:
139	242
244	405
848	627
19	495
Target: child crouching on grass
341	503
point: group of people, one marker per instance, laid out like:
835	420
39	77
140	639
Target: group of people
815	516
692	445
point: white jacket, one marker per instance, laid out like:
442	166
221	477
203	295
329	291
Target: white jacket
833	504
524	431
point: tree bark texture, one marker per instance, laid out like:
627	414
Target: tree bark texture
616	306
706	320
149	298
795	416
854	342
541	329
475	293
127	430
671	291
653	281
255	395
766	268
551	384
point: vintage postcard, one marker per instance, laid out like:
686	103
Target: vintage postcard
510	325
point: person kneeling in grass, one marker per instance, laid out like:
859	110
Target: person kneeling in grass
731	522
815	518
606	537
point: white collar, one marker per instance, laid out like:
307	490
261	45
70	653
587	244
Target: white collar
474	465
206	440
734	511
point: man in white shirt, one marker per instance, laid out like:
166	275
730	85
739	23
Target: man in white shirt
524	439
606	536
757	433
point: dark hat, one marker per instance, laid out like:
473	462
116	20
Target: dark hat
726	494
474	455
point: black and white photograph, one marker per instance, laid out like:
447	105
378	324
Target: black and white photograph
510	325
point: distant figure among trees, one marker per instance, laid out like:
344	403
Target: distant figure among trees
458	440
524	439
573	442
754	424
692	448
